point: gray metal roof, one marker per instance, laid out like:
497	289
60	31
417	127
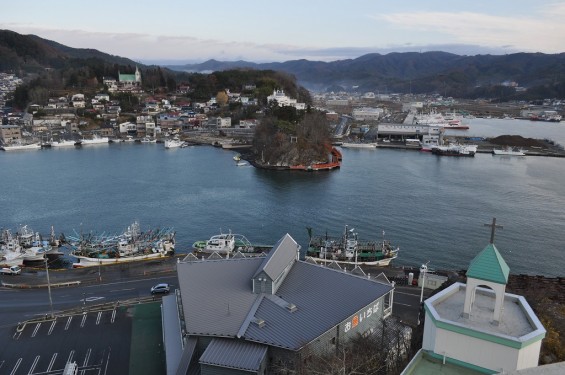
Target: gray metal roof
284	252
218	299
217	294
172	333
323	297
236	354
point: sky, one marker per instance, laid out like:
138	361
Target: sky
186	31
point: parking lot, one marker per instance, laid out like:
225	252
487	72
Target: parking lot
100	342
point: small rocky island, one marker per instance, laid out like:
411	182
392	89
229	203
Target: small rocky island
301	145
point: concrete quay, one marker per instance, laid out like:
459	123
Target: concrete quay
36	277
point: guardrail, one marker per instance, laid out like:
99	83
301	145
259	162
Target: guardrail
33	286
108	306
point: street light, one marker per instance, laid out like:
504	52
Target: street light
423	271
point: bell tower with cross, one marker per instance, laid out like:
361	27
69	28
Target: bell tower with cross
488	269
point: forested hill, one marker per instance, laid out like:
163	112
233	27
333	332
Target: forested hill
426	72
30	53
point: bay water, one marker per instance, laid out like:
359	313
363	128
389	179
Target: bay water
433	207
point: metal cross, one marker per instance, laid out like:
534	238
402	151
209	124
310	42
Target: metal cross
493	228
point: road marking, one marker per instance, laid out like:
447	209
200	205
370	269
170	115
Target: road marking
113	315
36	329
68	322
17	335
404	304
87	357
51	328
107	360
16	367
33	365
71	354
98	318
2	364
122	290
52	362
408	294
123	282
92	299
83	320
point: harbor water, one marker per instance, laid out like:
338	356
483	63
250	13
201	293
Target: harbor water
433	207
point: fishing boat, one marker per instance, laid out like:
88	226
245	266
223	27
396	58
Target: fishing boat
455	150
95	140
348	249
25	247
173	143
227	243
63	143
130	246
508	151
20	146
148	140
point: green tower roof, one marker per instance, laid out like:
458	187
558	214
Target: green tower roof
489	265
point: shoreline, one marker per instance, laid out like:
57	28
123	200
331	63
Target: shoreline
36	277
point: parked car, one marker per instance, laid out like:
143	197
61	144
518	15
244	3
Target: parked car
13	270
160	288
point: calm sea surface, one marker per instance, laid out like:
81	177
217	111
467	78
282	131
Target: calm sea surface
433	207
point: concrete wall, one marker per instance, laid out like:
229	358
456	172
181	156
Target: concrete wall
480	352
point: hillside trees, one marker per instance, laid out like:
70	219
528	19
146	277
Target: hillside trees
283	143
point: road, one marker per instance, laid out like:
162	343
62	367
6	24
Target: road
97	339
23	304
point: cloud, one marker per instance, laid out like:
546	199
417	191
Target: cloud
541	32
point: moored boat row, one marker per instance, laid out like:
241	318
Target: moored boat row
27	247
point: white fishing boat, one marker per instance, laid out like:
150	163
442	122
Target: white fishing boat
63	143
130	246
173	143
95	140
455	150
508	151
20	146
25	246
226	243
148	140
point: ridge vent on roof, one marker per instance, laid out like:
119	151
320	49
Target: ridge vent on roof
291	307
260	322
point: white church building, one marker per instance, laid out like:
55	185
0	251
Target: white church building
478	328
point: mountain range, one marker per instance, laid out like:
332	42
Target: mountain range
411	71
408	72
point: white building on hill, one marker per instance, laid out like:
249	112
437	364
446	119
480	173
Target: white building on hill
284	100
